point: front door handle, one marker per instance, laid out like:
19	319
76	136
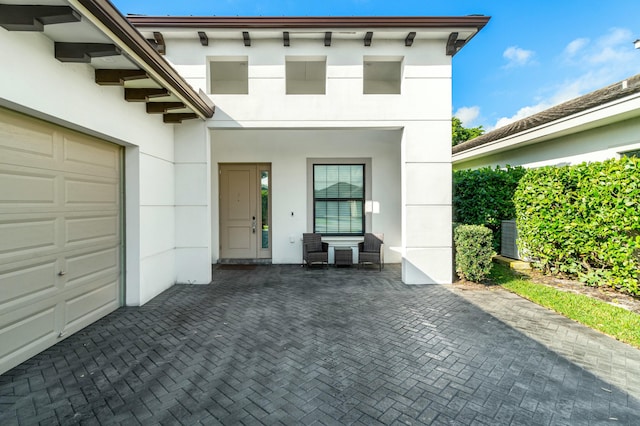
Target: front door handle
253	225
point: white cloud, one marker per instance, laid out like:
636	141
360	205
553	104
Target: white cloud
517	56
522	113
468	115
609	58
575	46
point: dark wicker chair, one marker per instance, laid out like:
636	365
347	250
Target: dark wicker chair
314	250
371	250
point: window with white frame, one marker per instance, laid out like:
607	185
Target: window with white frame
339	199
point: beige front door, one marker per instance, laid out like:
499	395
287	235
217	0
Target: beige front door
245	203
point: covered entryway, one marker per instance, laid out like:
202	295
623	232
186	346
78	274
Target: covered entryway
245	194
60	234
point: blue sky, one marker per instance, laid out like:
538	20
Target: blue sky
532	54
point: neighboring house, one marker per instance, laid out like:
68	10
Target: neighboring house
117	180
599	125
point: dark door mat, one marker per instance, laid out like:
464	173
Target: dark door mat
231	267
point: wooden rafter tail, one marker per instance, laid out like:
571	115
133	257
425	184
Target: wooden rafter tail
367	38
163	107
409	40
143	95
327	38
20	17
106	77
204	39
177	118
83	52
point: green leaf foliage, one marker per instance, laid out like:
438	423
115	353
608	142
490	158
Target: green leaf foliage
485	197
583	221
460	134
473	251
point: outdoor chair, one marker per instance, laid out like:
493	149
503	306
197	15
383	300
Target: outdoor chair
314	250
371	250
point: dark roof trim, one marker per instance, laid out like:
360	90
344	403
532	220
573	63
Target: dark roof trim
104	11
590	100
473	21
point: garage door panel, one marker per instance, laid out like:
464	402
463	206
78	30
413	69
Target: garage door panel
32	145
86	267
91	230
22	188
82	155
82	309
27	237
26	328
90	193
60	234
27	283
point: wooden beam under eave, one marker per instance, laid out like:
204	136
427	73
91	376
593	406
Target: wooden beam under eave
21	17
246	38
177	118
160	46
83	52
163	107
409	40
204	39
327	38
143	95
451	44
367	38
118	77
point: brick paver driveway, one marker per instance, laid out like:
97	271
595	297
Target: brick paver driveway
282	345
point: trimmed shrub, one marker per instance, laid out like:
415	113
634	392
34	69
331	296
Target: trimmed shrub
583	221
473	251
485	197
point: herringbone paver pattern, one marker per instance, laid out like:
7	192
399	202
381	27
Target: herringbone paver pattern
283	345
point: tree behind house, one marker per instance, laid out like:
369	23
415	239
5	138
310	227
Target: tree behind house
460	134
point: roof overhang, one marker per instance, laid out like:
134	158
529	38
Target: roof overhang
473	21
456	31
96	33
602	115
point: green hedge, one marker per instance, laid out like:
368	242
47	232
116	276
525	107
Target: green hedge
485	197
584	221
473	251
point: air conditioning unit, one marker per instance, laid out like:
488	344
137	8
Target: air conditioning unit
509	248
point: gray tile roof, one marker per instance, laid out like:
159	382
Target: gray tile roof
566	109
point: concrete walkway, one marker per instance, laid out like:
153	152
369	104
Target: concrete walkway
283	345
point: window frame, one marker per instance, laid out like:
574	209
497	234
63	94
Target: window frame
361	199
368	170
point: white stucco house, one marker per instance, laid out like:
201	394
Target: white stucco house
135	153
597	126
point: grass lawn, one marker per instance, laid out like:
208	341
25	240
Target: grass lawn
612	320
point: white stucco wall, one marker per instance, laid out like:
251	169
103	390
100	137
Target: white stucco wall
37	84
590	145
416	212
416	203
193	203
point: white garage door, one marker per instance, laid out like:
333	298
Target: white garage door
60	234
